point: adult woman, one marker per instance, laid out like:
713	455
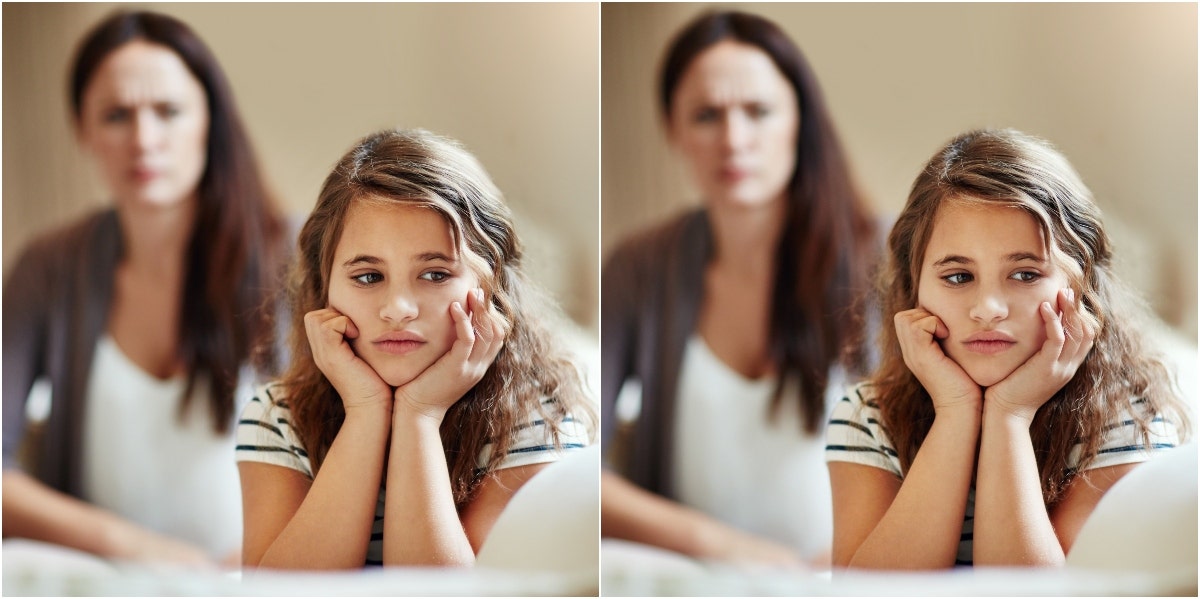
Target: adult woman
143	315
737	318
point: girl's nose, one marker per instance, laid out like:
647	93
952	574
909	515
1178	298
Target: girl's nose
399	307
990	306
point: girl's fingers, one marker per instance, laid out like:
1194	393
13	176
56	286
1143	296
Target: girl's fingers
465	339
489	329
1077	329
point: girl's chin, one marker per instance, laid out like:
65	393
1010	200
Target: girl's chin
989	377
397	380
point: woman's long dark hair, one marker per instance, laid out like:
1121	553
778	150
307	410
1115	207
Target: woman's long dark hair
829	242
234	257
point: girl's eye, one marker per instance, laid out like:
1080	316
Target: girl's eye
436	276
958	278
1026	276
367	278
167	111
758	111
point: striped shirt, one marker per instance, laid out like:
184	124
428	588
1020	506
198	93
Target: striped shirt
265	434
855	435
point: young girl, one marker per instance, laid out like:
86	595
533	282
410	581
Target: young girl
417	367
1015	388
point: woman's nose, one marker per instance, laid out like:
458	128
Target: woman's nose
147	130
399	307
736	132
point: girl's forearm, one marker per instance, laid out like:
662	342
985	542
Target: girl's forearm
421	524
1012	526
332	527
923	525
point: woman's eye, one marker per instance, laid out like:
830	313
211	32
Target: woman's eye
368	278
436	276
1026	276
167	111
116	115
958	278
758	111
706	115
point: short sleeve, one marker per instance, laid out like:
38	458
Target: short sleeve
1123	443
532	443
265	434
855	435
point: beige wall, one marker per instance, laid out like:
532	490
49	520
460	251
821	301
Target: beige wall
516	83
1112	85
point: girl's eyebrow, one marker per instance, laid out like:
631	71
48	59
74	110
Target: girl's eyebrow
1013	257
434	256
362	259
1019	256
954	259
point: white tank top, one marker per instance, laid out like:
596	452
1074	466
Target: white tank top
141	462
766	478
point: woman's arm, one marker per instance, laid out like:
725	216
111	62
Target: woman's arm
34	511
1012	525
632	513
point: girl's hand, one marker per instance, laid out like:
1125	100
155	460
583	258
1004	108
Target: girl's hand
329	332
1069	338
947	383
480	335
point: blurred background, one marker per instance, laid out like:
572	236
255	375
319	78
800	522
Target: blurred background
1113	86
517	84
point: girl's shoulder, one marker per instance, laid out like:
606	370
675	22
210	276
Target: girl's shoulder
265	433
1135	434
855	433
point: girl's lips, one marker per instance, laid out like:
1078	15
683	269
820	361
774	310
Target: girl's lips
989	347
399	347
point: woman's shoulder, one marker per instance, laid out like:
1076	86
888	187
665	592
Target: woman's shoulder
58	242
656	240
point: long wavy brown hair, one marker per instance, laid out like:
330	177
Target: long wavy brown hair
830	240
1009	168
237	253
418	168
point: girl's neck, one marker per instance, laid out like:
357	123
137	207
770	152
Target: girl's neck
156	238
746	238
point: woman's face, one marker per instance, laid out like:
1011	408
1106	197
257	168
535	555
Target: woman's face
395	273
985	273
735	119
144	118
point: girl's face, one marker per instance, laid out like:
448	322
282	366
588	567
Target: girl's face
395	273
144	118
734	117
985	273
